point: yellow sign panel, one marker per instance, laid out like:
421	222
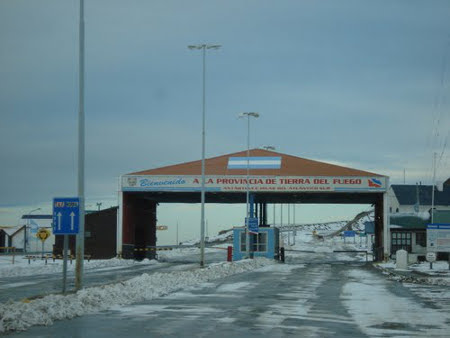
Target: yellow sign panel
43	234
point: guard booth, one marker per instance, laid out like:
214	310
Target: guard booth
266	243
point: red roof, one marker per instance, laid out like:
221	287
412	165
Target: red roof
290	166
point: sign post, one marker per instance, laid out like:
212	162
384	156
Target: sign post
66	221
43	234
431	257
65	248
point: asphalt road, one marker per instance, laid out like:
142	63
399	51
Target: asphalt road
321	299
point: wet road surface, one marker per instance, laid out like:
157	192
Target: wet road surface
323	298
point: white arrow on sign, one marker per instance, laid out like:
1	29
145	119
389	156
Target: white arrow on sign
59	220
72	216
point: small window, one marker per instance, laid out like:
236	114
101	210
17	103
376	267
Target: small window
421	239
396	210
259	242
401	240
243	242
262	241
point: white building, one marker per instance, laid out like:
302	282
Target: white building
411	198
29	240
409	207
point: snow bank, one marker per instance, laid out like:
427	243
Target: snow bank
38	266
21	315
419	273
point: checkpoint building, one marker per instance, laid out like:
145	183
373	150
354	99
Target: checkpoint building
274	178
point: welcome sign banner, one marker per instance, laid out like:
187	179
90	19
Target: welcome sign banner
237	183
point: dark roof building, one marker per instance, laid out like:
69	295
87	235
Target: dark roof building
410	198
407	194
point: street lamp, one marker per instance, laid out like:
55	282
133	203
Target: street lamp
79	243
203	47
268	147
247	236
26	229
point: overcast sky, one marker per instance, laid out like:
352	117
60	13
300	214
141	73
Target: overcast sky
360	83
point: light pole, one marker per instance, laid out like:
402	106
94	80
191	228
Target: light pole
27	225
432	189
203	47
177	243
79	267
268	147
247	236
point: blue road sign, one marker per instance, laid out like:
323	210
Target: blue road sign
66	215
252	224
349	233
369	227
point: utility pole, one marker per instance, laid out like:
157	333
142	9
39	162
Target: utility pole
434	183
294	212
274	214
177	243
80	235
281	214
203	48
247	233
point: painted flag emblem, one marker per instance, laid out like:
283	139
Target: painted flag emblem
375	183
254	163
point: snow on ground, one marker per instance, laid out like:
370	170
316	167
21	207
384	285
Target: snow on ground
181	252
419	272
316	238
225	236
21	267
439	268
21	315
401	317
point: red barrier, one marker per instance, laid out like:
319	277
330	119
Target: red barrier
230	254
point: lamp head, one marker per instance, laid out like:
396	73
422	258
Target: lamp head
204	46
252	114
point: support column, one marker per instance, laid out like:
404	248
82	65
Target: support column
379	249
264	209
139	227
119	230
252	204
386	226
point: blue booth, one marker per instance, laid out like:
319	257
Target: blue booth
265	243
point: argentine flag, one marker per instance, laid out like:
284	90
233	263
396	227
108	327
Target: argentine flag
254	162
